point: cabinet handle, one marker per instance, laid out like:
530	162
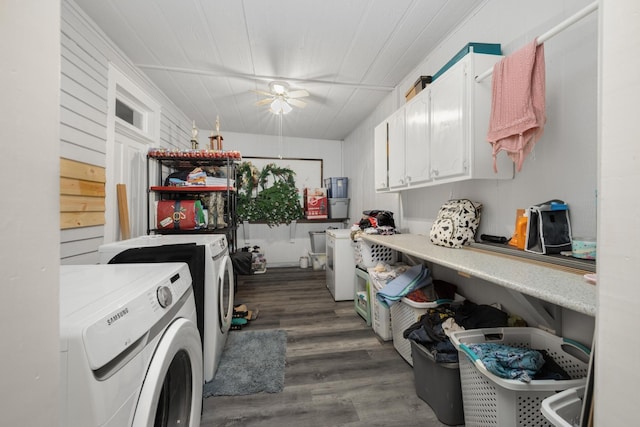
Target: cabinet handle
435	172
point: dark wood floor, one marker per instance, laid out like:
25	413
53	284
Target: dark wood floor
338	372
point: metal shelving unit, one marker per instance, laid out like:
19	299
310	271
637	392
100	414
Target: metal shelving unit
161	163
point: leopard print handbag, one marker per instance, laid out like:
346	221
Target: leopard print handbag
456	223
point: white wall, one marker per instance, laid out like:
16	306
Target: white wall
29	254
283	245
86	53
563	164
618	219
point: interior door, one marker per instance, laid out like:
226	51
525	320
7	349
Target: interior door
130	169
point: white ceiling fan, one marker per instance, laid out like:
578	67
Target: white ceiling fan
280	99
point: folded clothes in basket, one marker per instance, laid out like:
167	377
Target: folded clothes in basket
414	278
513	363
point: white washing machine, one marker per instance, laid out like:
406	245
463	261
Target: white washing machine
341	264
130	351
208	258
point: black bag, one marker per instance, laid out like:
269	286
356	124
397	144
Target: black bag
241	262
383	218
548	228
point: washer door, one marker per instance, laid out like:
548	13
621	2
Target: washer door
226	288
171	394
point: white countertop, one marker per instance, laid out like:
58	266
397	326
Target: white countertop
563	288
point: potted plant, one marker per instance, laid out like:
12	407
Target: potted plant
268	195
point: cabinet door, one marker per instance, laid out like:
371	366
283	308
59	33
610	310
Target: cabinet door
397	177
449	130
380	164
417	164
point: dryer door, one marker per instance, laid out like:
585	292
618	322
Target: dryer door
226	289
171	394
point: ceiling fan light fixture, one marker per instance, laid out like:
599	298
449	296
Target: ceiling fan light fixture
279	88
279	105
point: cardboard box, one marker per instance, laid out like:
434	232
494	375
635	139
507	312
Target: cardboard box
316	203
179	214
417	87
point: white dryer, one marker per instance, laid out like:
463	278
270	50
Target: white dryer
213	281
130	351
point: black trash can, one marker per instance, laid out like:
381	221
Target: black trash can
438	384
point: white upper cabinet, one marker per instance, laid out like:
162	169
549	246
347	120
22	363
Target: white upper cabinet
397	176
380	164
417	147
449	124
444	129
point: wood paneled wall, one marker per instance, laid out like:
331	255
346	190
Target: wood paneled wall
82	194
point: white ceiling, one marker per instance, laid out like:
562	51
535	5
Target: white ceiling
207	55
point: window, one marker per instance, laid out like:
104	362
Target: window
134	113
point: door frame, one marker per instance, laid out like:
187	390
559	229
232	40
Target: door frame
146	132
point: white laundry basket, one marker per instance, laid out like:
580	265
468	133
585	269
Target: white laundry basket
493	401
370	254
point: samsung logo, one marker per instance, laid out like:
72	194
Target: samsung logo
117	316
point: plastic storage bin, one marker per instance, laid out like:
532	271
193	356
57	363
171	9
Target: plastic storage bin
337	187
438	384
405	313
318	241
338	208
370	254
493	401
318	260
564	409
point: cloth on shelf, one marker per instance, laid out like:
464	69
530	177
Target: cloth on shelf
197	177
414	278
212	181
474	316
444	290
450	325
509	362
518	103
430	331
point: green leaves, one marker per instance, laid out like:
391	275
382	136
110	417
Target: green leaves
269	195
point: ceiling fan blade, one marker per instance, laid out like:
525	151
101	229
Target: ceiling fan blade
297	94
264	101
296	103
261	92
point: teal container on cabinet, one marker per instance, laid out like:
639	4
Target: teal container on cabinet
486	48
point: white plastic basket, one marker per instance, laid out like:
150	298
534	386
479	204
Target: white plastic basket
405	313
564	409
370	254
493	401
380	316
